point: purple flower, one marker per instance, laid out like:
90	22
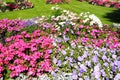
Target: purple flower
97	75
70	59
58	40
97	68
71	64
79	74
74	75
105	64
86	77
112	64
80	58
103	73
59	63
81	70
29	23
117	77
49	51
82	66
114	56
65	38
53	73
85	54
54	60
107	79
63	52
97	72
104	57
46	25
107	44
113	51
117	63
88	63
56	69
95	59
113	68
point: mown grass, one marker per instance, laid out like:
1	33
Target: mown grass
41	8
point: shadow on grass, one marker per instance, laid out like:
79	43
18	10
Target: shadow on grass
114	16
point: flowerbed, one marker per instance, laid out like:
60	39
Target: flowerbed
106	3
17	5
64	46
57	1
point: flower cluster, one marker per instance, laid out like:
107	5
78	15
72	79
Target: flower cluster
88	63
26	53
23	4
11	25
90	19
17	5
66	46
57	1
85	61
67	17
106	3
34	21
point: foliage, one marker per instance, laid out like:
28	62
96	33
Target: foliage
65	46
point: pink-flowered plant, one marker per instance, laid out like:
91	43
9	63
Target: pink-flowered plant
10	26
106	3
57	1
26	53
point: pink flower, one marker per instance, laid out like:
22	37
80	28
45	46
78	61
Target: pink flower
1	69
67	29
53	30
27	36
78	33
46	65
81	26
1	75
46	55
13	74
31	71
23	33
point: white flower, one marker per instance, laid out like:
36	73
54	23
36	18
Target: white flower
91	19
54	44
86	20
95	20
62	23
80	79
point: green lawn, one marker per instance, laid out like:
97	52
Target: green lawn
42	9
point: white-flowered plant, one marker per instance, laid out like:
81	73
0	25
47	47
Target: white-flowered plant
68	16
90	19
